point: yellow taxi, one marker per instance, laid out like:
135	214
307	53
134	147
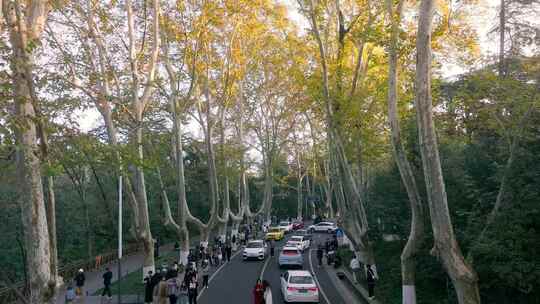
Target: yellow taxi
275	233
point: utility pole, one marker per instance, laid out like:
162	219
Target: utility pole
120	239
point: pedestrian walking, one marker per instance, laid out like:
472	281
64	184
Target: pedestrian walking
183	297
214	258
70	293
156	248
156	278
221	254
162	294
205	269
258	292
320	254
79	283
371	277
272	247
107	277
193	290
355	267
173	271
190	274
149	288
267	292
228	250
234	245
173	290
241	237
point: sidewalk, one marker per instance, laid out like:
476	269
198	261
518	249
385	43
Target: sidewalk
130	264
94	280
348	282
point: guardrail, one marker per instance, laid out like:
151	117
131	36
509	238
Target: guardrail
68	271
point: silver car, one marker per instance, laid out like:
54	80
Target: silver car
290	256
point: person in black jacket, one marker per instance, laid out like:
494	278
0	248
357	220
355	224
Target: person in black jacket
193	290
79	282
371	277
148	288
107	277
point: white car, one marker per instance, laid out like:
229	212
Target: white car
256	249
328	227
299	286
286	226
299	241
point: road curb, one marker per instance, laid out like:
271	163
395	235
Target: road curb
357	287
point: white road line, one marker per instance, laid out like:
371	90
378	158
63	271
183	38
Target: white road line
216	272
315	277
264	267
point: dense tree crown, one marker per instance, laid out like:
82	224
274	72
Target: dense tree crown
220	112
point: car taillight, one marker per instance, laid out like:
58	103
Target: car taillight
292	288
313	289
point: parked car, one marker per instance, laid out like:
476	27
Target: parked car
256	249
290	256
300	242
297	225
286	225
275	233
328	227
299	286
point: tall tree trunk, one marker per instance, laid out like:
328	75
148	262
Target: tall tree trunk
416	234
446	248
145	235
139	202
352	215
225	198
25	25
502	34
299	197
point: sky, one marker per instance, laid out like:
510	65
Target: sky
485	18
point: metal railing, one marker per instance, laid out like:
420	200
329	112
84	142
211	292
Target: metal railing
68	271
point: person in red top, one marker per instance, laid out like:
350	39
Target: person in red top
258	292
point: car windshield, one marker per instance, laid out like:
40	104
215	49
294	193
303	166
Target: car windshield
254	245
274	230
284	224
301	280
296	239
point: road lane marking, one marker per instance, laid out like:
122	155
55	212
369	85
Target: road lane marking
316	280
264	267
216	272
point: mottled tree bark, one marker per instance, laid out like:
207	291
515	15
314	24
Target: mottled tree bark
25	25
446	248
416	234
139	202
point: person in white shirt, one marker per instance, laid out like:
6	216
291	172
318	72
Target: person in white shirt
355	267
267	292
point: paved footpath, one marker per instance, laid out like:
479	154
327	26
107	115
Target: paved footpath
94	279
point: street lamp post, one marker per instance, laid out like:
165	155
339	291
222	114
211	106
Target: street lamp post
119	239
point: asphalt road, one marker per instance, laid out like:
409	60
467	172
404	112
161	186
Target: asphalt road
234	282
